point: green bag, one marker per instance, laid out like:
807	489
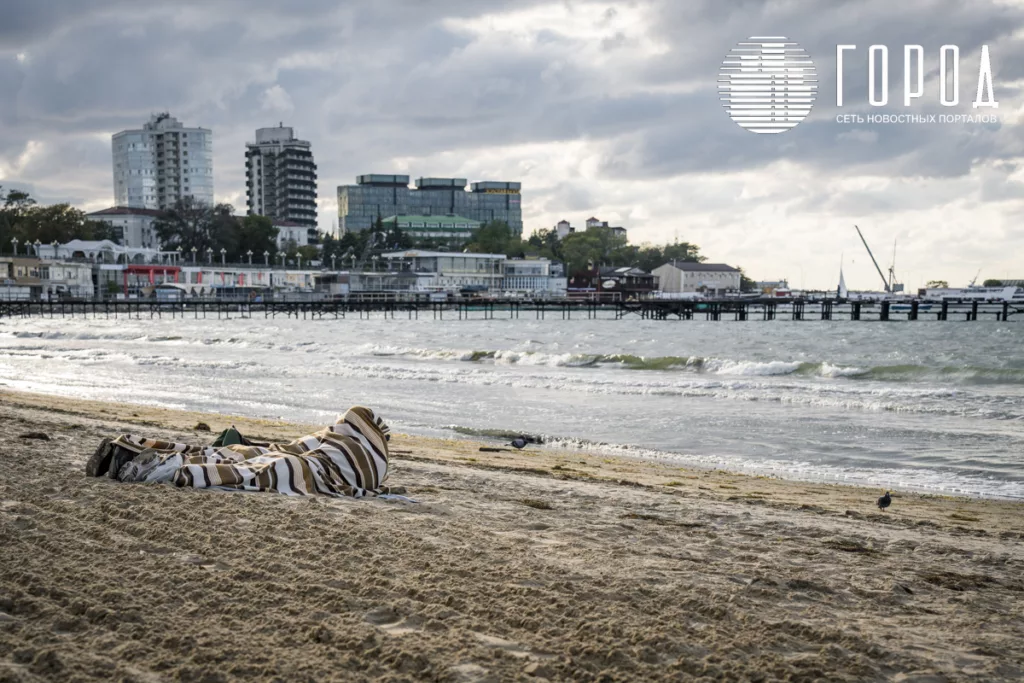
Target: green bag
230	437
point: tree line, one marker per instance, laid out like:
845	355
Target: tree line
24	220
188	224
191	224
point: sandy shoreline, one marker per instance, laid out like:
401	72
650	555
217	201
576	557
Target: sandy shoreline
514	566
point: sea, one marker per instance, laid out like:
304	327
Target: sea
927	406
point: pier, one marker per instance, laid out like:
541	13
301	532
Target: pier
494	309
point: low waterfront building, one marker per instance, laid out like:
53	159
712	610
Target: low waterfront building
134	225
447	271
105	251
769	287
686	276
39	278
532	277
448	227
612	283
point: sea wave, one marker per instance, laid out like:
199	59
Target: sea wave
967	374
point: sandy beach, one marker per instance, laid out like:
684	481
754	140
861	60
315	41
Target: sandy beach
526	565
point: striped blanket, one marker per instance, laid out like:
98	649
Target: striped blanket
348	458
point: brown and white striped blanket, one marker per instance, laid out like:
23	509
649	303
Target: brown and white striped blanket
348	458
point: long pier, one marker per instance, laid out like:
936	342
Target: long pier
493	309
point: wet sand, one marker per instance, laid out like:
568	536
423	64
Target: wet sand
513	566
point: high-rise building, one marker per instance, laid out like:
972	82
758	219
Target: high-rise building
162	162
359	205
280	178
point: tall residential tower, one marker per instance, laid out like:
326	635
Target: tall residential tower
280	178
162	162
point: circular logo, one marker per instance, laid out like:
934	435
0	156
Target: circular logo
767	84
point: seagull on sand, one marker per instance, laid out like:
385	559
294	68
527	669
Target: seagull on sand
885	501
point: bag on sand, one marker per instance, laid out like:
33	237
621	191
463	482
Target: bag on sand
230	437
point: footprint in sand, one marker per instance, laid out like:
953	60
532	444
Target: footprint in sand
204	563
514	649
393	623
472	673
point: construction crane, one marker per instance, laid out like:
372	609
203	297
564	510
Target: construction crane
885	283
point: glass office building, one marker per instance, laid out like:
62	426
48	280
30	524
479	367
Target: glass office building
375	195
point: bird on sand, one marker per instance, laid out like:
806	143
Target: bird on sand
519	442
885	501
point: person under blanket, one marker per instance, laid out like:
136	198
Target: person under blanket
348	458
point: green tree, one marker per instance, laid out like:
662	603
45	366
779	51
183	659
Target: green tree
495	237
937	284
193	223
992	283
746	284
256	234
57	222
309	252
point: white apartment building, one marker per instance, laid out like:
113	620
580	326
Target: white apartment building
135	225
160	163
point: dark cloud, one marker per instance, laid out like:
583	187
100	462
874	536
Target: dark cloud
373	83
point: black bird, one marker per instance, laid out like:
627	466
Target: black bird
519	442
885	501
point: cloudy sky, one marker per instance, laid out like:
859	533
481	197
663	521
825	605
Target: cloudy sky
608	109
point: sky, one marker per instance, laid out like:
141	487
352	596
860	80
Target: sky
606	109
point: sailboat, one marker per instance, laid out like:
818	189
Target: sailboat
841	291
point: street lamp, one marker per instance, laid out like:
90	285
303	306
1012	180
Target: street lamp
282	259
193	256
266	257
353	263
298	259
223	252
249	254
333	265
14	243
54	245
209	254
374	263
38	243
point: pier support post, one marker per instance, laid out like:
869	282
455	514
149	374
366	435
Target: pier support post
913	310
974	310
884	313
